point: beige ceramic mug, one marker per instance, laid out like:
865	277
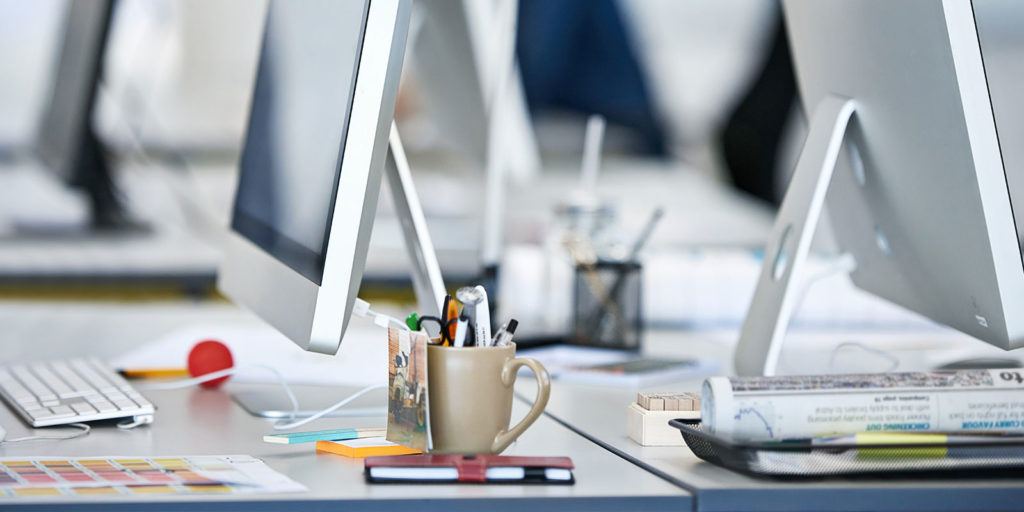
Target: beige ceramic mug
470	397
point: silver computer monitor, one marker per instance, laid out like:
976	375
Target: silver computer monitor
909	157
464	54
458	54
311	166
66	142
76	78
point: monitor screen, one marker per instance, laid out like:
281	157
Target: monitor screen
297	129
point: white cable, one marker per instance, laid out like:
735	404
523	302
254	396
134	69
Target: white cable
137	421
224	373
84	430
295	424
362	309
844	263
284	384
893	360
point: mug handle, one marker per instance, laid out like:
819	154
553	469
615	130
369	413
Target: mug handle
508	377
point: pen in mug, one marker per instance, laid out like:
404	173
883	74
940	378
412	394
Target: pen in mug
461	330
504	335
474	302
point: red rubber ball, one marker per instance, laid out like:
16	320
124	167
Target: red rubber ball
209	356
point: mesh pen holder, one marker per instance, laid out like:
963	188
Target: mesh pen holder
803	461
607	309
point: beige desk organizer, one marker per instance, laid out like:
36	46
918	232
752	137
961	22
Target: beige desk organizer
647	418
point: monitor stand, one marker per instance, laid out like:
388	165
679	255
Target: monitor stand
775	297
426	274
92	173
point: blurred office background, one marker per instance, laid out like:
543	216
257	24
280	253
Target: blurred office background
669	76
180	71
702	122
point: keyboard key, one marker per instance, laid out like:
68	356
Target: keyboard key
138	398
57	385
51	403
104	406
115	395
33	384
31	406
101	368
61	411
18	392
114	377
91	376
83	408
125	404
40	414
76	382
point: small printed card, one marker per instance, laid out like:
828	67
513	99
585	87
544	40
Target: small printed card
408	420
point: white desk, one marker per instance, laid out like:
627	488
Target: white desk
197	422
599	413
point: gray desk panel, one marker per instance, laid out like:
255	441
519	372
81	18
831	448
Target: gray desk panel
599	413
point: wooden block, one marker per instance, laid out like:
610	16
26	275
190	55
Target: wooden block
644	400
668	401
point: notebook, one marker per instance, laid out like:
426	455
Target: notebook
469	469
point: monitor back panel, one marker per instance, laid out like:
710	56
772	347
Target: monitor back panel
919	196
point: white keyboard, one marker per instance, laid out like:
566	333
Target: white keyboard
59	392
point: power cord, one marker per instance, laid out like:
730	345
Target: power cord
362	309
284	384
84	430
321	414
843	263
195	381
893	360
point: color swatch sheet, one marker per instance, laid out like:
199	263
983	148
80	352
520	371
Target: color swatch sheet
52	476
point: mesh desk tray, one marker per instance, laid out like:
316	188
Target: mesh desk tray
803	460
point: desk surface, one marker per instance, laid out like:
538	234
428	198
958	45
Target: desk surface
599	413
197	422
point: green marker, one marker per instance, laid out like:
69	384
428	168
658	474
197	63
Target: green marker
412	321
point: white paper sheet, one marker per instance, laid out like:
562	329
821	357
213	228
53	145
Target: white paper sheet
361	361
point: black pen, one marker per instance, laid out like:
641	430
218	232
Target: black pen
504	335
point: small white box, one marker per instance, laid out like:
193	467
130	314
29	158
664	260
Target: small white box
651	428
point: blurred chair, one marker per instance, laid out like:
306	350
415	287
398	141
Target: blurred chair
753	134
575	56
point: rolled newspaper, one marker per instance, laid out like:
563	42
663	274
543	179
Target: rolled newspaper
801	407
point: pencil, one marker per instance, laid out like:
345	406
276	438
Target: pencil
153	373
